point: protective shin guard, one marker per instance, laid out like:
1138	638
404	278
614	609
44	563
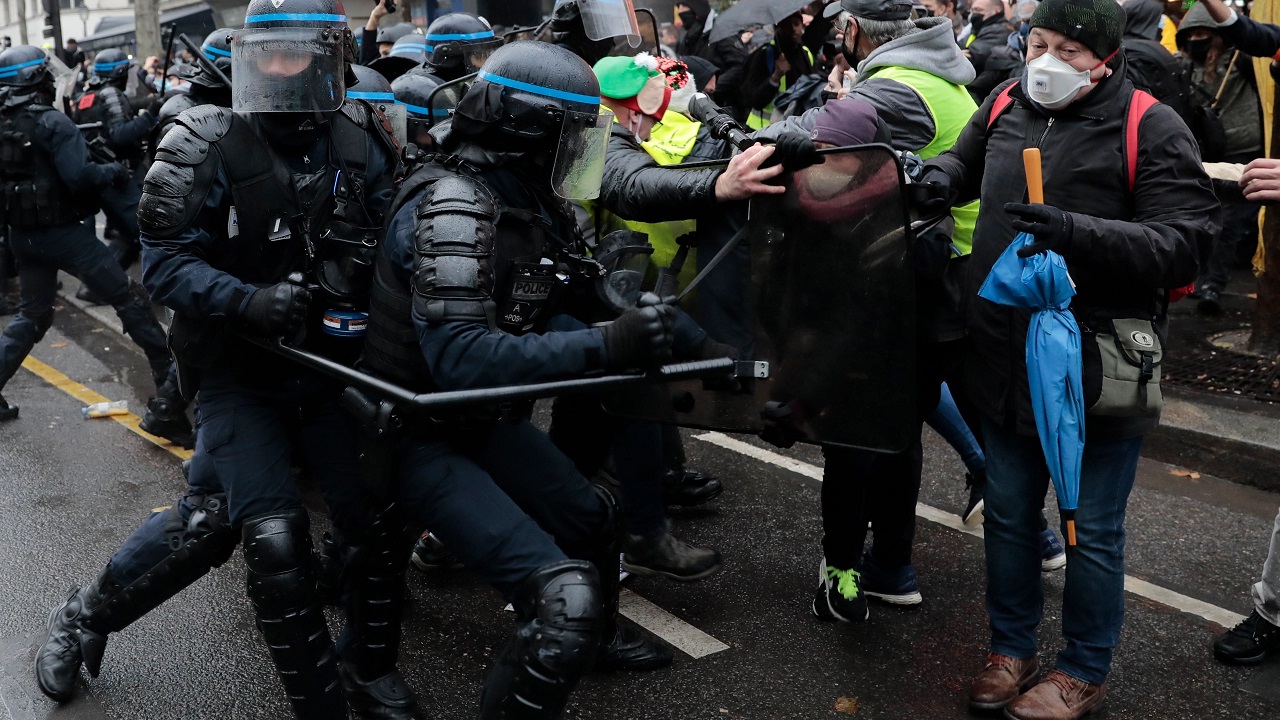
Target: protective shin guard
282	586
202	541
374	562
621	647
556	640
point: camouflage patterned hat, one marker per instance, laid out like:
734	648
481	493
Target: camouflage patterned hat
1098	24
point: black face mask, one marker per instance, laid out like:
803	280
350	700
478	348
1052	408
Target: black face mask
976	22
688	19
1198	50
850	53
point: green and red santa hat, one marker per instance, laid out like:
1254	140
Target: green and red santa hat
635	82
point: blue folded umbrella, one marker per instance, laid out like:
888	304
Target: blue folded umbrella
1041	283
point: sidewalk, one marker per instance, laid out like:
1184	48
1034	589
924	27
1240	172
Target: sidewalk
1222	408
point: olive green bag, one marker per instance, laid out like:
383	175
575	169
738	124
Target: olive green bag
1128	356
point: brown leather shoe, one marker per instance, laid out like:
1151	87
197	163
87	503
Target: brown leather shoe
1058	697
1001	681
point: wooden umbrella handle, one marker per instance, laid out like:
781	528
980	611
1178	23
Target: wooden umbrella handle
1035	180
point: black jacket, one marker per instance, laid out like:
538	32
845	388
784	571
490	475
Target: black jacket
1133	246
636	187
993	59
758	90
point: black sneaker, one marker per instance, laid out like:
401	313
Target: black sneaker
89	297
972	515
7	411
896	586
839	595
431	554
667	556
1247	643
688	487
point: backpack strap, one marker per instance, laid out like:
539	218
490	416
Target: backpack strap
1002	103
1139	103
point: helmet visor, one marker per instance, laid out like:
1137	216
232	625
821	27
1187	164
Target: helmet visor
475	53
285	69
398	115
579	166
604	19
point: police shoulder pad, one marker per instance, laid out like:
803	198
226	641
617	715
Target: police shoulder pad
357	111
209	122
459	194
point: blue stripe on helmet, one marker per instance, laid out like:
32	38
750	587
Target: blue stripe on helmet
372	96
430	48
419	110
539	90
13	69
304	17
408	49
461	36
211	51
108	67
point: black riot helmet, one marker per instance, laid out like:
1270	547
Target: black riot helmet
291	56
427	100
409	52
590	27
533	98
24	72
374	89
391	33
112	65
217	48
458	44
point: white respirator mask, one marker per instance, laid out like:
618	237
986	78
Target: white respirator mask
1053	84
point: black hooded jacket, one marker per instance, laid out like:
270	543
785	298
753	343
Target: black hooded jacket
1129	247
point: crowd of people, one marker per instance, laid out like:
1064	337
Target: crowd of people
442	210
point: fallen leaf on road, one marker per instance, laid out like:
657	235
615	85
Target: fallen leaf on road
847	705
1185	474
58	345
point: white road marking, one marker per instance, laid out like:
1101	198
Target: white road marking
678	633
1141	588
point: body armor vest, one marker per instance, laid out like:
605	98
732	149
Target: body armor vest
33	193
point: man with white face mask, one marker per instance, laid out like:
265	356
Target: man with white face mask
1128	221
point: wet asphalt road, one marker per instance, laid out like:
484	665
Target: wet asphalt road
74	489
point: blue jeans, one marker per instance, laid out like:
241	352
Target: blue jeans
1093	600
947	422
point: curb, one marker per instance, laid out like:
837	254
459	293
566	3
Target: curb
1242	446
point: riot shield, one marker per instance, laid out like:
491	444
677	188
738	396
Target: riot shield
831	303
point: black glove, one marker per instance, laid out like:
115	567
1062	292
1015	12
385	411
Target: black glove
933	194
120	175
278	310
641	336
1052	228
157	102
783	424
711	349
793	151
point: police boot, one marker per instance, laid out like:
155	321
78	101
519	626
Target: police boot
329	569
373	562
622	647
686	487
166	416
74	639
7	411
89	297
557	634
282	585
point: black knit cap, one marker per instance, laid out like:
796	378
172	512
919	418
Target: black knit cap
1098	24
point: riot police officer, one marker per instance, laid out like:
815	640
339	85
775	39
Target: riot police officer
205	89
126	130
426	102
294	181
458	44
408	52
466	294
589	28
49	187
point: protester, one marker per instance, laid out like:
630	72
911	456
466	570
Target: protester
1258	635
1125	247
772	68
988	47
693	16
1223	79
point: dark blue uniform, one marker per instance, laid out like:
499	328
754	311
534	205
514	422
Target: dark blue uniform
125	131
71	246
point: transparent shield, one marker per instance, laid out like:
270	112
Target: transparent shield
603	19
398	115
579	167
287	70
625	256
828	303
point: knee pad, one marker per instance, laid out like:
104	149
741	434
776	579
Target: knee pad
277	554
563	618
207	530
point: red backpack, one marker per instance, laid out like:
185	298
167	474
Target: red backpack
1138	106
